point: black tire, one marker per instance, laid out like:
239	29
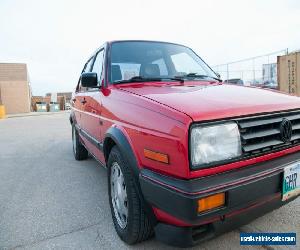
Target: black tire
80	152
138	227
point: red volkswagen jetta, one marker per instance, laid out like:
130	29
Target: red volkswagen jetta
188	157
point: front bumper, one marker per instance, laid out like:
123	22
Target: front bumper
250	192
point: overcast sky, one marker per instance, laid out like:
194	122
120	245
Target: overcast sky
55	37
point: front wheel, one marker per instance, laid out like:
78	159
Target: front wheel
129	217
80	152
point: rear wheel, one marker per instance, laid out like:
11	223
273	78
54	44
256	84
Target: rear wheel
129	217
80	152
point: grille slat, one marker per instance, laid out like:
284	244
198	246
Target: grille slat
259	122
293	117
261	145
261	134
296	126
295	137
264	120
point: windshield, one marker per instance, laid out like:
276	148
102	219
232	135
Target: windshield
155	60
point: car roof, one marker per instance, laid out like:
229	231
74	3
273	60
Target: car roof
152	41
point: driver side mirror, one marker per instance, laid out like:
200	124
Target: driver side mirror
89	80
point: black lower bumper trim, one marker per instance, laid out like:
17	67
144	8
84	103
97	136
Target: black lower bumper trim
190	236
243	187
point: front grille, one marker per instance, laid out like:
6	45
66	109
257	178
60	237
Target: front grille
261	134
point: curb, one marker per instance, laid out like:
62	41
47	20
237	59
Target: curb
37	114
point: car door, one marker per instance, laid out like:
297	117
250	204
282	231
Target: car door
93	109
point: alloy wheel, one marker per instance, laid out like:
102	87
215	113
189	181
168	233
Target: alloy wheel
119	195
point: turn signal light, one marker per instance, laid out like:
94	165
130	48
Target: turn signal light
156	156
210	202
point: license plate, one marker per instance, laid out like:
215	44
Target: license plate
291	181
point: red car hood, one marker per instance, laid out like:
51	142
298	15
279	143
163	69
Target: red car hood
206	101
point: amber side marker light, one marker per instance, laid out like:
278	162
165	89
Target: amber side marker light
156	156
210	202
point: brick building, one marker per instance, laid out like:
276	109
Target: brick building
14	88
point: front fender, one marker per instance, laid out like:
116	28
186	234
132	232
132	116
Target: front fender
120	139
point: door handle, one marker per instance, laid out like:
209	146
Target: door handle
83	101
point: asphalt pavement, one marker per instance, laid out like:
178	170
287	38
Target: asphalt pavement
48	200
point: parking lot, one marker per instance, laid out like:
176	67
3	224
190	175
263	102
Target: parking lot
50	201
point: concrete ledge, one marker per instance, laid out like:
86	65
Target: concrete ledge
36	114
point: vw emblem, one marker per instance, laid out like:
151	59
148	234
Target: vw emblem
286	130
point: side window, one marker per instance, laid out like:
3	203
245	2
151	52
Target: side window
98	64
86	68
88	65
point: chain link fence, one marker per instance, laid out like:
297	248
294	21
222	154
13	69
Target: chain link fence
255	71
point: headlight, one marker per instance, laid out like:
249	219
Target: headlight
215	143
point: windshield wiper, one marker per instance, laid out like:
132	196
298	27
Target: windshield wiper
195	75
148	79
